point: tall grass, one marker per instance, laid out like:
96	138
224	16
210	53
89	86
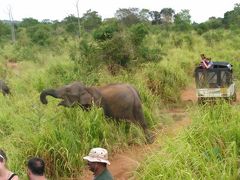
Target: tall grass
62	136
208	149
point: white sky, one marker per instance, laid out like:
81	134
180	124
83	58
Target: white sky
200	10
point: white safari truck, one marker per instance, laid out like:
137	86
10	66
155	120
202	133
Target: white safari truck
215	82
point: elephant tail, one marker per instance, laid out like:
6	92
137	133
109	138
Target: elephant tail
45	93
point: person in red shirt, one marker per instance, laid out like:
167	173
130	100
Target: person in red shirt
205	62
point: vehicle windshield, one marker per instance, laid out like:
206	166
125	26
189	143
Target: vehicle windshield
213	79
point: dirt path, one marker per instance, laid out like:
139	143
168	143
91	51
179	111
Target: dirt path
125	163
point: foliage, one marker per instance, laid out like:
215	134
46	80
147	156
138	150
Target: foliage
213	37
116	50
70	24
106	31
231	18
91	20
167	15
156	59
128	16
4	31
138	33
182	20
40	34
208	149
163	80
28	22
156	17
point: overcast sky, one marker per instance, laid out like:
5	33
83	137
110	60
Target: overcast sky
200	10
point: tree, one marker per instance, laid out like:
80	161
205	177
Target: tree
200	28
91	20
128	16
4	30
232	18
47	21
27	22
167	15
106	30
144	15
40	34
79	26
70	24
182	20
214	23
155	17
12	25
138	33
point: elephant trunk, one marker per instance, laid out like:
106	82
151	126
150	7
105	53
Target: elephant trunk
50	92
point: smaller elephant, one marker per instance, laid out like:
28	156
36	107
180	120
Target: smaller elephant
4	88
119	101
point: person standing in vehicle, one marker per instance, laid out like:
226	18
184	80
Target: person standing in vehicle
97	161
205	62
5	173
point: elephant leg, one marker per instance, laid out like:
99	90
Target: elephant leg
149	136
139	118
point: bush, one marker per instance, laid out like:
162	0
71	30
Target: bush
163	80
138	33
117	50
213	36
106	31
40	34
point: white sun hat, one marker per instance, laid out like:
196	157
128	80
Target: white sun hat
97	155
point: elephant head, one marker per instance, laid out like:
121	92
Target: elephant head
73	94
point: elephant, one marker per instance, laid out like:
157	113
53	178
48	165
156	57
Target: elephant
119	101
4	88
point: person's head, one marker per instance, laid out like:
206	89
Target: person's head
3	159
36	167
97	159
202	56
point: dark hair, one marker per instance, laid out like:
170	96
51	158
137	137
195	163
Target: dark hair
36	166
3	154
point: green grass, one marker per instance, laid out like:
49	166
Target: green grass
62	136
208	149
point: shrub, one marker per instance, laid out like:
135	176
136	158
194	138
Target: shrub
138	33
165	81
213	36
40	34
106	31
117	50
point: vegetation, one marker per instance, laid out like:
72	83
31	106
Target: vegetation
208	149
156	51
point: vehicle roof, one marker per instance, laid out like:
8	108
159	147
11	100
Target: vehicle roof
222	65
218	65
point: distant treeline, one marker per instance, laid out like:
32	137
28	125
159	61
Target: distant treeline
166	18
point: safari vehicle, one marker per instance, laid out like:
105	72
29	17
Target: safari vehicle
215	82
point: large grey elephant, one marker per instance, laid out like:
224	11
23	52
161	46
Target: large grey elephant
4	88
119	101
